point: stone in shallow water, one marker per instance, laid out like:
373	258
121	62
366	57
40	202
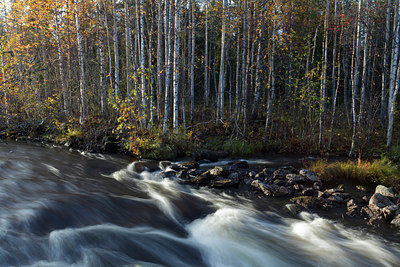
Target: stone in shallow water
312	176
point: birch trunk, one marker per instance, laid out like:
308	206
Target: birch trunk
192	63
116	55
221	84
356	74
385	70
321	139
168	55
206	58
159	58
128	50
81	65
177	5
393	83
271	96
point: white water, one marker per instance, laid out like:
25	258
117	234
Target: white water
63	209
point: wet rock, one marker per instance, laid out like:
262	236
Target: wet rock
68	144
175	167
312	176
221	182
343	196
268	171
322	194
218	171
317	185
163	165
145	165
295	208
279	182
297	178
308	192
352	208
260	176
396	219
183	174
333	190
384	191
390	211
233	168
365	199
281	173
190	165
336	199
252	174
305	201
169	174
282	191
261	186
202	180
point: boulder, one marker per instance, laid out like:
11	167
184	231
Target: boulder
308	192
305	201
144	165
163	165
336	199
281	173
168	174
190	165
252	174
379	201
312	176
352	208
384	191
218	171
343	196
298	179
333	190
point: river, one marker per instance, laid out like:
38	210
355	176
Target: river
61	208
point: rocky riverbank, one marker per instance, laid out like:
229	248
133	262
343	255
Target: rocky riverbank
302	189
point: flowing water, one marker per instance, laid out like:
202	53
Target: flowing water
60	208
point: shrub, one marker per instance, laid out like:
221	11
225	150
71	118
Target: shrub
380	171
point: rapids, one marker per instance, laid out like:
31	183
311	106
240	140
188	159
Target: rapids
61	208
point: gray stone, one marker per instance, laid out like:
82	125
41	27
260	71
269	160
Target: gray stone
218	171
297	178
336	199
308	192
342	195
333	190
378	201
312	176
252	174
384	191
223	182
281	173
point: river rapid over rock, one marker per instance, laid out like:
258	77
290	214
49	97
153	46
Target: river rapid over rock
61	208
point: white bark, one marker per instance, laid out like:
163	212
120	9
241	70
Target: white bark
356	74
206	64
192	63
116	55
385	62
128	50
168	55
159	57
221	83
177	5
81	65
394	82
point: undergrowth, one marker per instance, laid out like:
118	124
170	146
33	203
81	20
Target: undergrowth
379	171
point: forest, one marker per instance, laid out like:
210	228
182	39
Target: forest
162	77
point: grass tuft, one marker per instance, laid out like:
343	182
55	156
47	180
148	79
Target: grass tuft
380	171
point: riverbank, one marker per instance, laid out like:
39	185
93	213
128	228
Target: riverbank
298	189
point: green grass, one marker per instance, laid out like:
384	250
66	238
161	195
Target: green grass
233	146
380	171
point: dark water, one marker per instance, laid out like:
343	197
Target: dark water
60	208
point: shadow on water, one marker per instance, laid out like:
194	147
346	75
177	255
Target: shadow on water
60	208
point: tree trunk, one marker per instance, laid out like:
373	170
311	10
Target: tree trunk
168	55
271	96
394	83
177	5
159	58
221	84
116	55
128	50
206	64
259	63
81	65
142	64
385	70
356	78
321	139
61	67
192	63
